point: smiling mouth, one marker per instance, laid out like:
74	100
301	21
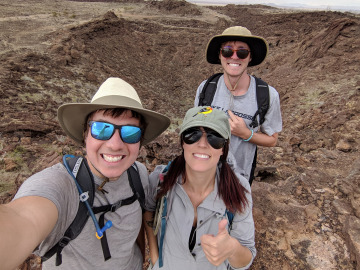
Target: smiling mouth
233	65
109	158
202	156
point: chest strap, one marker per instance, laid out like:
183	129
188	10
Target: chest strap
110	208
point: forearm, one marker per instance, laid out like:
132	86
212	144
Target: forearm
263	139
152	241
258	138
17	241
241	256
140	240
24	223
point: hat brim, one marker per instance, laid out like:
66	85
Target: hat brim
72	118
210	125
258	47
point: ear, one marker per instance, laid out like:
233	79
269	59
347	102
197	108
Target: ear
86	134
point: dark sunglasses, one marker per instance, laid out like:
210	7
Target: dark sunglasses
192	135
228	52
104	131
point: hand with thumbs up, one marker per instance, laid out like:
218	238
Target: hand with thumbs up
223	247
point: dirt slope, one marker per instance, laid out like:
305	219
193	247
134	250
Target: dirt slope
306	194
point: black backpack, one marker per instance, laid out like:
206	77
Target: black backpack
263	100
85	180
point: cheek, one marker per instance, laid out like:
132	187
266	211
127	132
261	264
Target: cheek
134	148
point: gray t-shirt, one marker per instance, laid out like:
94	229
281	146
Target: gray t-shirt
85	252
242	153
176	254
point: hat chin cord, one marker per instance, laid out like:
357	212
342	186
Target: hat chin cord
233	87
101	187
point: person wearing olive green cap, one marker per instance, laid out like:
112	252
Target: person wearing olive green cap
200	213
235	50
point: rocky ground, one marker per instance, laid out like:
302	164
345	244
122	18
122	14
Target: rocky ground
306	194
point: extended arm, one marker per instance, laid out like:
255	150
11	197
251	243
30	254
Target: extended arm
140	240
152	241
24	223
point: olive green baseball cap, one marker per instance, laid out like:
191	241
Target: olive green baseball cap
205	116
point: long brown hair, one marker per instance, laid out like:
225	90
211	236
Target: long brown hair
230	190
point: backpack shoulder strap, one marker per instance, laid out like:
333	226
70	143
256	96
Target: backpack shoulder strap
86	181
136	185
230	216
207	93
263	101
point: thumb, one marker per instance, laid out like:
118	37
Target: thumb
222	226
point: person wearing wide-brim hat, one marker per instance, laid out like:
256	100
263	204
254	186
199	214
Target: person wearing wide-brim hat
112	128
235	50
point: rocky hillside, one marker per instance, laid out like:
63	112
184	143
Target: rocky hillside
307	191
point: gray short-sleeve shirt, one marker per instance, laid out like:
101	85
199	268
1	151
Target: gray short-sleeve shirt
242	153
85	251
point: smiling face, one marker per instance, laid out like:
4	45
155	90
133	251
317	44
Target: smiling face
234	66
112	157
200	156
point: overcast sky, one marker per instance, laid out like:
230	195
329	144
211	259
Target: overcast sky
310	3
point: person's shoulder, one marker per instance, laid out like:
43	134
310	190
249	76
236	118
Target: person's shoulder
52	183
143	172
158	169
57	169
140	166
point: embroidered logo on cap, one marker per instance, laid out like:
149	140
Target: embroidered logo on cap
204	111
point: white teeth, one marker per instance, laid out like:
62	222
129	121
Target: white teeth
112	158
233	65
201	156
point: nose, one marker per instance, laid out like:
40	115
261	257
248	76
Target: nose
115	142
203	140
234	55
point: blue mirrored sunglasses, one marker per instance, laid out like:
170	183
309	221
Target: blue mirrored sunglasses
104	131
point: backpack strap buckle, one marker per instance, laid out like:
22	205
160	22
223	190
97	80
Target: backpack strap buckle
64	241
115	206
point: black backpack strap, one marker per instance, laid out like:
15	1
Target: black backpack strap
253	166
113	207
207	93
136	185
105	209
139	194
230	216
86	182
263	101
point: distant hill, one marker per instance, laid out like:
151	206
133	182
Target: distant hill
354	9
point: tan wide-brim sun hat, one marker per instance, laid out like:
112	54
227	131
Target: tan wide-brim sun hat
113	93
258	45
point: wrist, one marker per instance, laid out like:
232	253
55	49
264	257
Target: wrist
250	137
233	253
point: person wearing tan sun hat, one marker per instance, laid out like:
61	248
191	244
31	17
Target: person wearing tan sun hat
112	128
252	105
